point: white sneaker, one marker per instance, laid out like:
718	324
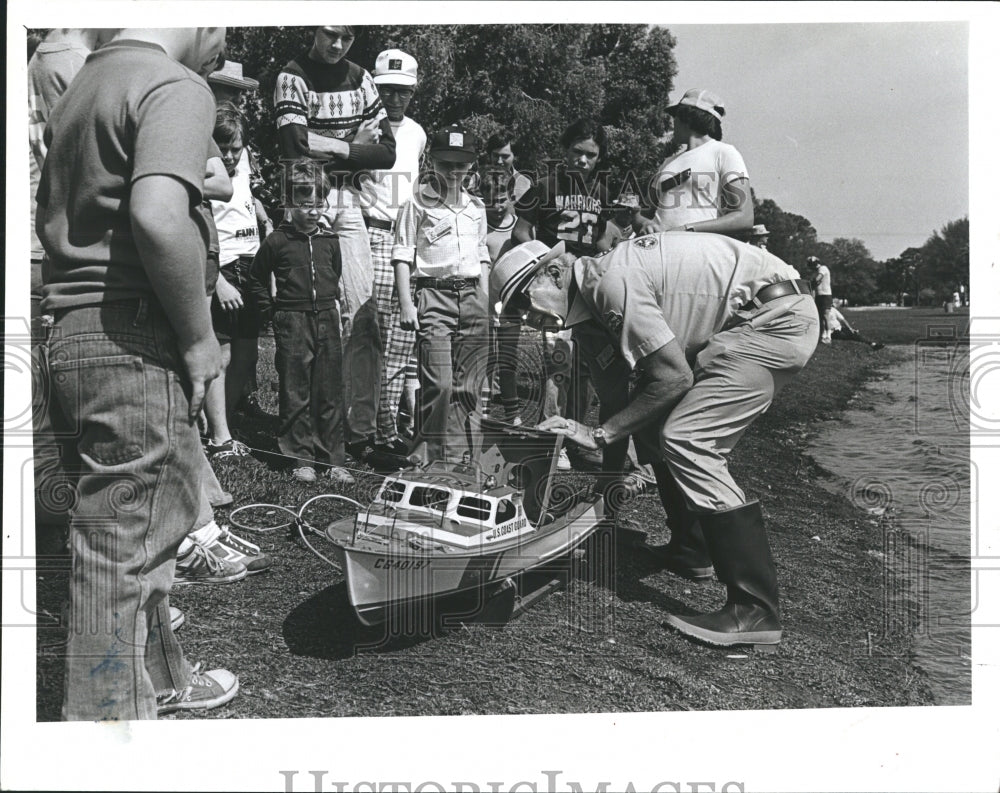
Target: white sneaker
564	464
339	476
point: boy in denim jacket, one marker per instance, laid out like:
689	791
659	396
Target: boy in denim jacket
305	261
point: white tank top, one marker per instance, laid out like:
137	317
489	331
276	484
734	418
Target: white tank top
236	219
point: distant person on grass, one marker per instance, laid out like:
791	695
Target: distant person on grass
841	329
819	278
305	262
131	355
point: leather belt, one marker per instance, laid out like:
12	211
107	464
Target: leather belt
450	284
378	223
774	291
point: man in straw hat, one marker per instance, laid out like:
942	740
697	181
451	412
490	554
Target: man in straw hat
759	236
715	328
228	83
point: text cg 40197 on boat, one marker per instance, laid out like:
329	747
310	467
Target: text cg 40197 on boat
448	528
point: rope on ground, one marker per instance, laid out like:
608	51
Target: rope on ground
301	523
297	518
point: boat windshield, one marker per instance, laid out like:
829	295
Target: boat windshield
430	498
474	508
393	491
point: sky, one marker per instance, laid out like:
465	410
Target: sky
861	128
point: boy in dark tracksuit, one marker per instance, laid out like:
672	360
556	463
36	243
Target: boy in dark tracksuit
305	261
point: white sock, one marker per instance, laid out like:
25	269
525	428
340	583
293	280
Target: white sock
206	534
186	546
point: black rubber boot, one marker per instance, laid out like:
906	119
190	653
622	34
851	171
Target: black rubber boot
737	544
686	554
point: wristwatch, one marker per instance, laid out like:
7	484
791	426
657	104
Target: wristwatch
600	436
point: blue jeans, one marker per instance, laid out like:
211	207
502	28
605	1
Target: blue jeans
308	361
115	374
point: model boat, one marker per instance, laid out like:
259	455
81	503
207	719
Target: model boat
448	528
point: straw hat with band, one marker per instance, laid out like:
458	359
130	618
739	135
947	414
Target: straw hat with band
231	75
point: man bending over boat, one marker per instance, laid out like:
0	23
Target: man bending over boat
714	328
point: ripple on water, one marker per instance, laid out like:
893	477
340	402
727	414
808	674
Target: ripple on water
902	444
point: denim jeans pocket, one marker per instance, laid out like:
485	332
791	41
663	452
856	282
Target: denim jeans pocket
105	399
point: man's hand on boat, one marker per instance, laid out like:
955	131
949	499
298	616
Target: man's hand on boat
573	430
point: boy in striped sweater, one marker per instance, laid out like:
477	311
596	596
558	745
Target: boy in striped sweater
328	109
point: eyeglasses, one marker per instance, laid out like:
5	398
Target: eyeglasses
308	201
402	93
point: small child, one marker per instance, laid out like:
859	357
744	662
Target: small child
305	262
441	241
233	317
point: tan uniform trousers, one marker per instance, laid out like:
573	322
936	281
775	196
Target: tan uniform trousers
736	375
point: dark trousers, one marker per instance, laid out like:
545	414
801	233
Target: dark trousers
308	360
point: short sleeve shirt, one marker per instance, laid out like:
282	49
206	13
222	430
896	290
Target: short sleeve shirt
50	71
688	186
440	241
821	281
565	208
653	289
131	112
388	190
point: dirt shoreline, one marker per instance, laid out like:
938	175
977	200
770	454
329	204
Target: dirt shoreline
595	646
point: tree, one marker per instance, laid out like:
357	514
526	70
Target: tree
792	237
532	80
946	258
852	269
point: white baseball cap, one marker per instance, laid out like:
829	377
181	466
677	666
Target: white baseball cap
395	67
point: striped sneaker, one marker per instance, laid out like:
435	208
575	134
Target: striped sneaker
229	547
230	448
204	691
176	618
200	566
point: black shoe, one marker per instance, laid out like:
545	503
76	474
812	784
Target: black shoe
380	458
737	544
250	407
398	446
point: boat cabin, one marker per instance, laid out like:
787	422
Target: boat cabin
444	509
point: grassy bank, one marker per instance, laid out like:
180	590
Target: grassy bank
597	644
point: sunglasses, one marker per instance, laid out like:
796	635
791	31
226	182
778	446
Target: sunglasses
402	93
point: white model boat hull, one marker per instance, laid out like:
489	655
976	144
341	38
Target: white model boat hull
380	579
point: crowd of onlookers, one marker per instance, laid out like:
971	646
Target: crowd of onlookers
372	275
